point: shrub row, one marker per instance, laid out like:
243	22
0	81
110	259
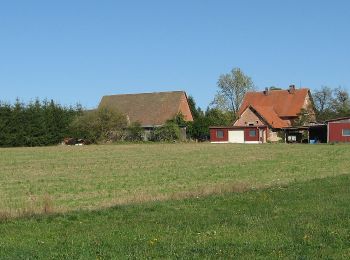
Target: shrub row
105	125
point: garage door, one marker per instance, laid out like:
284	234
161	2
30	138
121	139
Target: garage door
236	136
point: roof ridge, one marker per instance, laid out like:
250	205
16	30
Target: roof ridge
278	90
147	93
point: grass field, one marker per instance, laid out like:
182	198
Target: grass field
309	220
175	201
61	179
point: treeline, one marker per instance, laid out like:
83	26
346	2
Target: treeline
38	123
331	103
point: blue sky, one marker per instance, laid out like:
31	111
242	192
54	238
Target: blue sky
78	51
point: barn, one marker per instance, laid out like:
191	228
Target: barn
338	130
238	134
150	109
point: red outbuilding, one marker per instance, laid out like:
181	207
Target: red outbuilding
338	130
238	134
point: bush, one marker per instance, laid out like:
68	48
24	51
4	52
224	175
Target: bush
135	132
85	126
170	131
101	125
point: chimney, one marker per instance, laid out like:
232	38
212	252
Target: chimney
291	89
266	91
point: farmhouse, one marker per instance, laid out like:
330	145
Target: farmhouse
150	109
272	113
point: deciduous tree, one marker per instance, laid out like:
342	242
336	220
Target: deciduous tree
232	88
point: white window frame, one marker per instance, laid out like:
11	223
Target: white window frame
345	129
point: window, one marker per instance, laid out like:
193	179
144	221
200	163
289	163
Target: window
252	133
346	132
219	133
292	138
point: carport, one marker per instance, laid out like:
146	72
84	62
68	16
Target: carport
313	133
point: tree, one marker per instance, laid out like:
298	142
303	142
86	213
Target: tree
5	124
110	122
331	103
323	99
217	117
18	124
36	133
195	111
341	102
232	88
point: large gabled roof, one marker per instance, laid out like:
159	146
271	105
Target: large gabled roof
149	109
285	103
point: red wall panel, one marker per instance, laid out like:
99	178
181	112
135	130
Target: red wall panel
251	138
335	132
214	138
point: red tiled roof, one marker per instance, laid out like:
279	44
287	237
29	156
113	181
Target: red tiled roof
150	109
270	116
283	102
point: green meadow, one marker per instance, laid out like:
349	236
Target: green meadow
61	179
309	220
175	201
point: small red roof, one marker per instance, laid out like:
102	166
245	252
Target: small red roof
338	119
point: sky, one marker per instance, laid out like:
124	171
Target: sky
77	51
